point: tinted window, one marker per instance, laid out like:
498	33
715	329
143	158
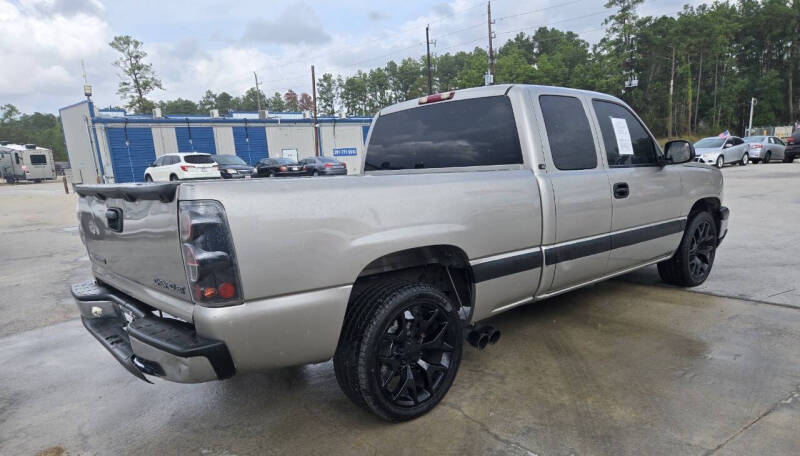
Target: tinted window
755	139
285	161
642	149
228	160
198	159
474	132
737	141
568	132
38	159
171	160
328	160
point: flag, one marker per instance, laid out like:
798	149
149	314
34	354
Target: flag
724	134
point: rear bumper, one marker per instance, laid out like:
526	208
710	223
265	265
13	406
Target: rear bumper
333	172
147	344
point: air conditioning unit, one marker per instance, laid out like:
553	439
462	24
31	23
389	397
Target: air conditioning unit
215	113
306	114
157	113
263	114
342	114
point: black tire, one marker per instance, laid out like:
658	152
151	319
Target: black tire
388	370
788	158
315	173
692	262
271	174
147	178
720	162
745	159
767	158
173	178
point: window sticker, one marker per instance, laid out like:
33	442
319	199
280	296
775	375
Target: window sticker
623	136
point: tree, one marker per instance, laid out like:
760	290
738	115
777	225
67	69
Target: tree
326	95
251	100
275	103
179	106
306	103
290	101
224	103
208	102
138	78
9	113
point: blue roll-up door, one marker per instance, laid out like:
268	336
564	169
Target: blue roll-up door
130	160
198	139
250	144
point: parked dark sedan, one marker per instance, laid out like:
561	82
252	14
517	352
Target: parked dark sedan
326	166
792	150
232	167
271	167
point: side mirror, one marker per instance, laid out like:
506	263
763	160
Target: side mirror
152	164
727	146
678	151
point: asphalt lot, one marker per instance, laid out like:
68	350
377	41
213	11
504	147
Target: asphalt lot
624	367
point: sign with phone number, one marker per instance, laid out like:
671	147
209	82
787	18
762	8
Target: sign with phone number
345	152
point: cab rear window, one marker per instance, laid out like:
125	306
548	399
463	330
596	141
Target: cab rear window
472	132
198	159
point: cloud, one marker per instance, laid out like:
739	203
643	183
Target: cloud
377	16
43	48
443	9
296	24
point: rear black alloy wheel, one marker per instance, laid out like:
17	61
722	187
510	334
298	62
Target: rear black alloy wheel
400	349
692	262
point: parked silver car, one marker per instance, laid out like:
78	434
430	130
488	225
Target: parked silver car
764	148
721	151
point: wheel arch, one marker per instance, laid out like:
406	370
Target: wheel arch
443	265
708	204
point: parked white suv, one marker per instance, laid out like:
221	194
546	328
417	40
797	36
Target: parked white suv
174	167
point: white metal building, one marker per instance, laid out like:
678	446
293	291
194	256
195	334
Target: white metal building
110	146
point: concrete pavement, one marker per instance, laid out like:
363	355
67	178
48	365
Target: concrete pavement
615	369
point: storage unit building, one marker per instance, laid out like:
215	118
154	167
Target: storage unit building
109	146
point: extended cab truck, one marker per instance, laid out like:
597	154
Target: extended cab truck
472	203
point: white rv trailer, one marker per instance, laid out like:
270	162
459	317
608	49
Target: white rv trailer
10	166
35	163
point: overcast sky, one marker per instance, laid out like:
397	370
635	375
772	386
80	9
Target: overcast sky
198	45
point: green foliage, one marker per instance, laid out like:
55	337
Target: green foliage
41	129
137	79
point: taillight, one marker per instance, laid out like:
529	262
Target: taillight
208	254
344	164
283	168
304	167
436	97
328	165
184	168
756	146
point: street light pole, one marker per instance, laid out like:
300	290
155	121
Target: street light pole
753	101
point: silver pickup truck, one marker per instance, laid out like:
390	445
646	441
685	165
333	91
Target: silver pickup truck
472	203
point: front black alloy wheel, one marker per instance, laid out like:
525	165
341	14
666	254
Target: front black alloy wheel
692	262
400	349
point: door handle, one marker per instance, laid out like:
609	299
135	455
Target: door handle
621	190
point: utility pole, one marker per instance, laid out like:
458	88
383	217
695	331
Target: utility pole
490	79
258	94
669	103
753	102
428	45
314	100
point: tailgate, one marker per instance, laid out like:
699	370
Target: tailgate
131	231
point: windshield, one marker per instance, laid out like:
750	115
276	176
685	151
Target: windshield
328	160
708	143
754	139
198	159
228	160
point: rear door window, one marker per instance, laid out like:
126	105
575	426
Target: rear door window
472	132
568	132
626	141
198	159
